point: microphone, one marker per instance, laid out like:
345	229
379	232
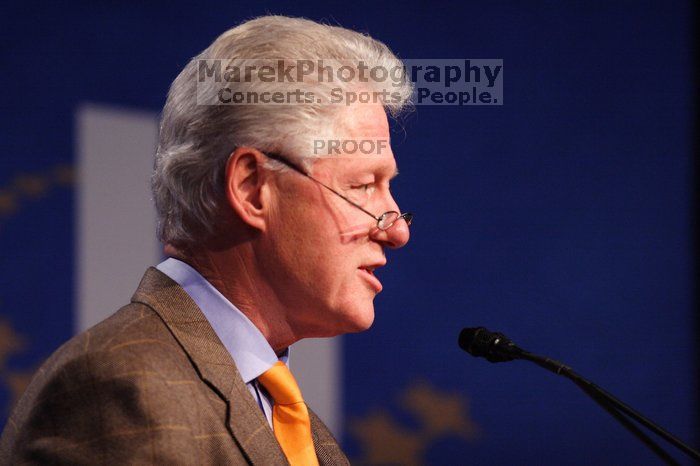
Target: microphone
496	347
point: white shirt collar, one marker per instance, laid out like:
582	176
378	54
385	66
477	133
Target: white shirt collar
248	347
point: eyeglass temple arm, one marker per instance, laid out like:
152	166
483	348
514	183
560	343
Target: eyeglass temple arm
286	162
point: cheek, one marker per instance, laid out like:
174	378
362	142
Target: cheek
312	252
306	245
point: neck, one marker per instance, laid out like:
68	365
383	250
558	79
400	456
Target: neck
235	274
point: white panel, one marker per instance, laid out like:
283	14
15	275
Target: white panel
116	224
316	364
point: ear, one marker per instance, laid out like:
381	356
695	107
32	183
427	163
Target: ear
246	186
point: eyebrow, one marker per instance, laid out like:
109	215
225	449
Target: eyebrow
383	171
387	175
379	172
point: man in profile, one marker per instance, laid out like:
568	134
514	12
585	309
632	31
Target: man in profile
268	241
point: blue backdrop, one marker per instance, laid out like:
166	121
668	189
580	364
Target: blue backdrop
562	218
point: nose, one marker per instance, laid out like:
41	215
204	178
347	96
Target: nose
395	236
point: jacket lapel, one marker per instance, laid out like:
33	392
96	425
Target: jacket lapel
213	364
328	451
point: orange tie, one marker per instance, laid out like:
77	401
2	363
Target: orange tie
290	417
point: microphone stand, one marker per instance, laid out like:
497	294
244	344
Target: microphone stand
612	405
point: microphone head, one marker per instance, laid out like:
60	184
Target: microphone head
482	343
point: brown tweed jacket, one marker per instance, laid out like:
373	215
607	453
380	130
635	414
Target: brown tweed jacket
152	384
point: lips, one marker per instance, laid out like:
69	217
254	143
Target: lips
367	273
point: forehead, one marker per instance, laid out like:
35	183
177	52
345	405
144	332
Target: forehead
361	143
364	120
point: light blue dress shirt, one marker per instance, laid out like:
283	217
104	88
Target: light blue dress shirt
248	347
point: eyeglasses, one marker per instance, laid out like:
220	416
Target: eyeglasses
384	221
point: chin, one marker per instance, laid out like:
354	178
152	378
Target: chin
360	320
350	316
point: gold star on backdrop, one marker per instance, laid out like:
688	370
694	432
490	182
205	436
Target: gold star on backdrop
384	441
17	381
440	413
63	175
33	186
8	203
387	443
10	343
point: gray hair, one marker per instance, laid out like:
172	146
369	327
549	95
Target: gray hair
196	139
